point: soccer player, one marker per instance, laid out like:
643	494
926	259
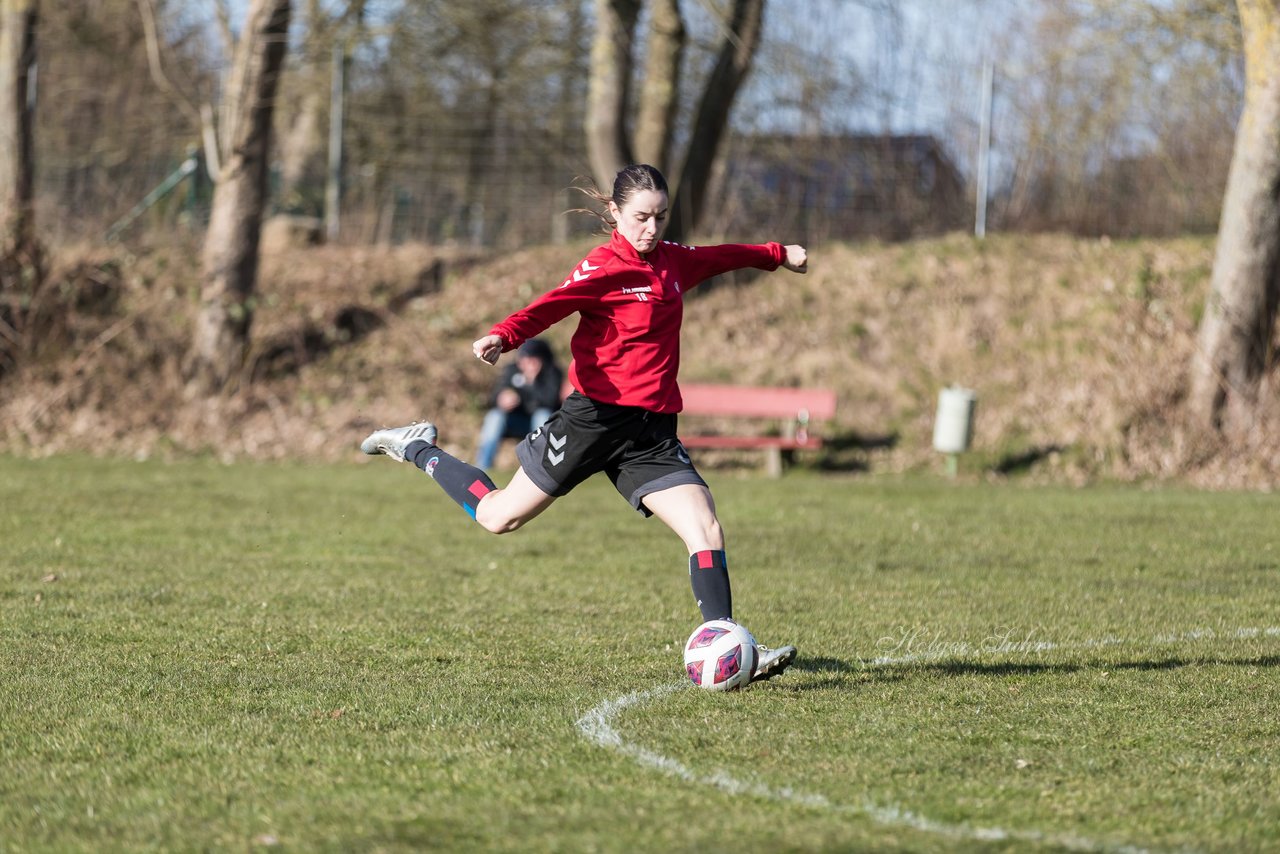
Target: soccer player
621	417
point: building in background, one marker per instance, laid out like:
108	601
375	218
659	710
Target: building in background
841	187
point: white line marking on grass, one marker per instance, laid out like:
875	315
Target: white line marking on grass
597	727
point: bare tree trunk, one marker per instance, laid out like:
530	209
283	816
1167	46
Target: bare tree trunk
1239	319
746	25
571	70
230	257
20	256
300	143
660	94
608	90
17	59
301	146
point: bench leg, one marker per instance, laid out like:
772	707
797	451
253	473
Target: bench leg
773	462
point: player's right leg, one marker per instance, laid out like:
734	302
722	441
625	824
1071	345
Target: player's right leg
497	510
506	510
689	511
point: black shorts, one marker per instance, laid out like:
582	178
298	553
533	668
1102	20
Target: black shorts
638	449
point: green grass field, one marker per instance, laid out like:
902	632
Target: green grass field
198	656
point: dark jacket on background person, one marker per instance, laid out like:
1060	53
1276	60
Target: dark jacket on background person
542	393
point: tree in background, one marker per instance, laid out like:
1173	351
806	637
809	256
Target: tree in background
742	26
107	135
608	143
1118	117
737	51
229	259
1236	348
464	122
20	253
660	90
305	102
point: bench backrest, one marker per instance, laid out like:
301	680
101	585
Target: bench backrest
758	401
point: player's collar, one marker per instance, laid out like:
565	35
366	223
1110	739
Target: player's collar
624	250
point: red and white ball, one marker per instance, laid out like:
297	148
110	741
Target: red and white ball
720	656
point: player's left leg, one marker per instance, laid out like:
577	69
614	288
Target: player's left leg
690	511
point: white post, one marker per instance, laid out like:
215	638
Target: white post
984	148
953	424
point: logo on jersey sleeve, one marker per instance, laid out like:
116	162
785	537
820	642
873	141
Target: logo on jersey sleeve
581	273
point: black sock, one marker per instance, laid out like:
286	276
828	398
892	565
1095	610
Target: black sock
709	575
464	483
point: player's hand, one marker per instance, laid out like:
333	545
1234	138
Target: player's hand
488	348
797	260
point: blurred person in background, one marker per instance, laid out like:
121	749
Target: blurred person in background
523	398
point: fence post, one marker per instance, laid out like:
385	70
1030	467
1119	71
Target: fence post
984	149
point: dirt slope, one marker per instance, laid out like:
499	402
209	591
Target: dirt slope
1077	350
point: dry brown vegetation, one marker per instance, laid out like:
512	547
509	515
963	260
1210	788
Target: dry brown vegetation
1078	351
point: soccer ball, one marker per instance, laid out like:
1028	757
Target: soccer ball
720	656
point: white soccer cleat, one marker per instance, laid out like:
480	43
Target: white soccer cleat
771	662
393	441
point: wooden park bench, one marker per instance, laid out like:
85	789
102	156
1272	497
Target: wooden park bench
793	411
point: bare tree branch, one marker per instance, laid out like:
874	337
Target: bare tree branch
201	115
209	138
223	11
156	64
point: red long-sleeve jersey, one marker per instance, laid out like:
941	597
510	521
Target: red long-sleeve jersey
626	349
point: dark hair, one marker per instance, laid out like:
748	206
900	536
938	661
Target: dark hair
536	348
631	180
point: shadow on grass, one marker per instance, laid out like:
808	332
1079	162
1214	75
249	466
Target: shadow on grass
1023	668
1019	463
849	451
834	673
828	673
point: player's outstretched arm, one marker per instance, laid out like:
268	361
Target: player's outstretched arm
797	260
